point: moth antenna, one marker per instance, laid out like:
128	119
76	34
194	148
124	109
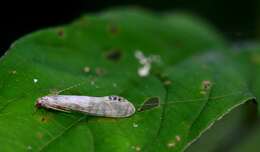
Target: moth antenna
71	87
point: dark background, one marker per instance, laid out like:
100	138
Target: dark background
237	19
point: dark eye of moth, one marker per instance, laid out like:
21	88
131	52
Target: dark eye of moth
114	98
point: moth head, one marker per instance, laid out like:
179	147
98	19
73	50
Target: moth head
41	102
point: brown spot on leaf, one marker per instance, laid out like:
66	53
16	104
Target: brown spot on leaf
178	138
45	119
150	103
113	29
60	32
114	54
205	86
100	71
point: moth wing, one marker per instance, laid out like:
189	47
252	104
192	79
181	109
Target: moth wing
63	109
85	109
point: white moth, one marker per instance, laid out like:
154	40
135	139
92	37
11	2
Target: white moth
107	106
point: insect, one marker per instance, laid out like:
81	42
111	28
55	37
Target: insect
107	106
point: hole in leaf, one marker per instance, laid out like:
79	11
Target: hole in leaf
114	55
150	103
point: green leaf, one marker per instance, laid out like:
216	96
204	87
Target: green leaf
196	83
226	133
197	107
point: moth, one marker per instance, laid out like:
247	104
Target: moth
107	106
